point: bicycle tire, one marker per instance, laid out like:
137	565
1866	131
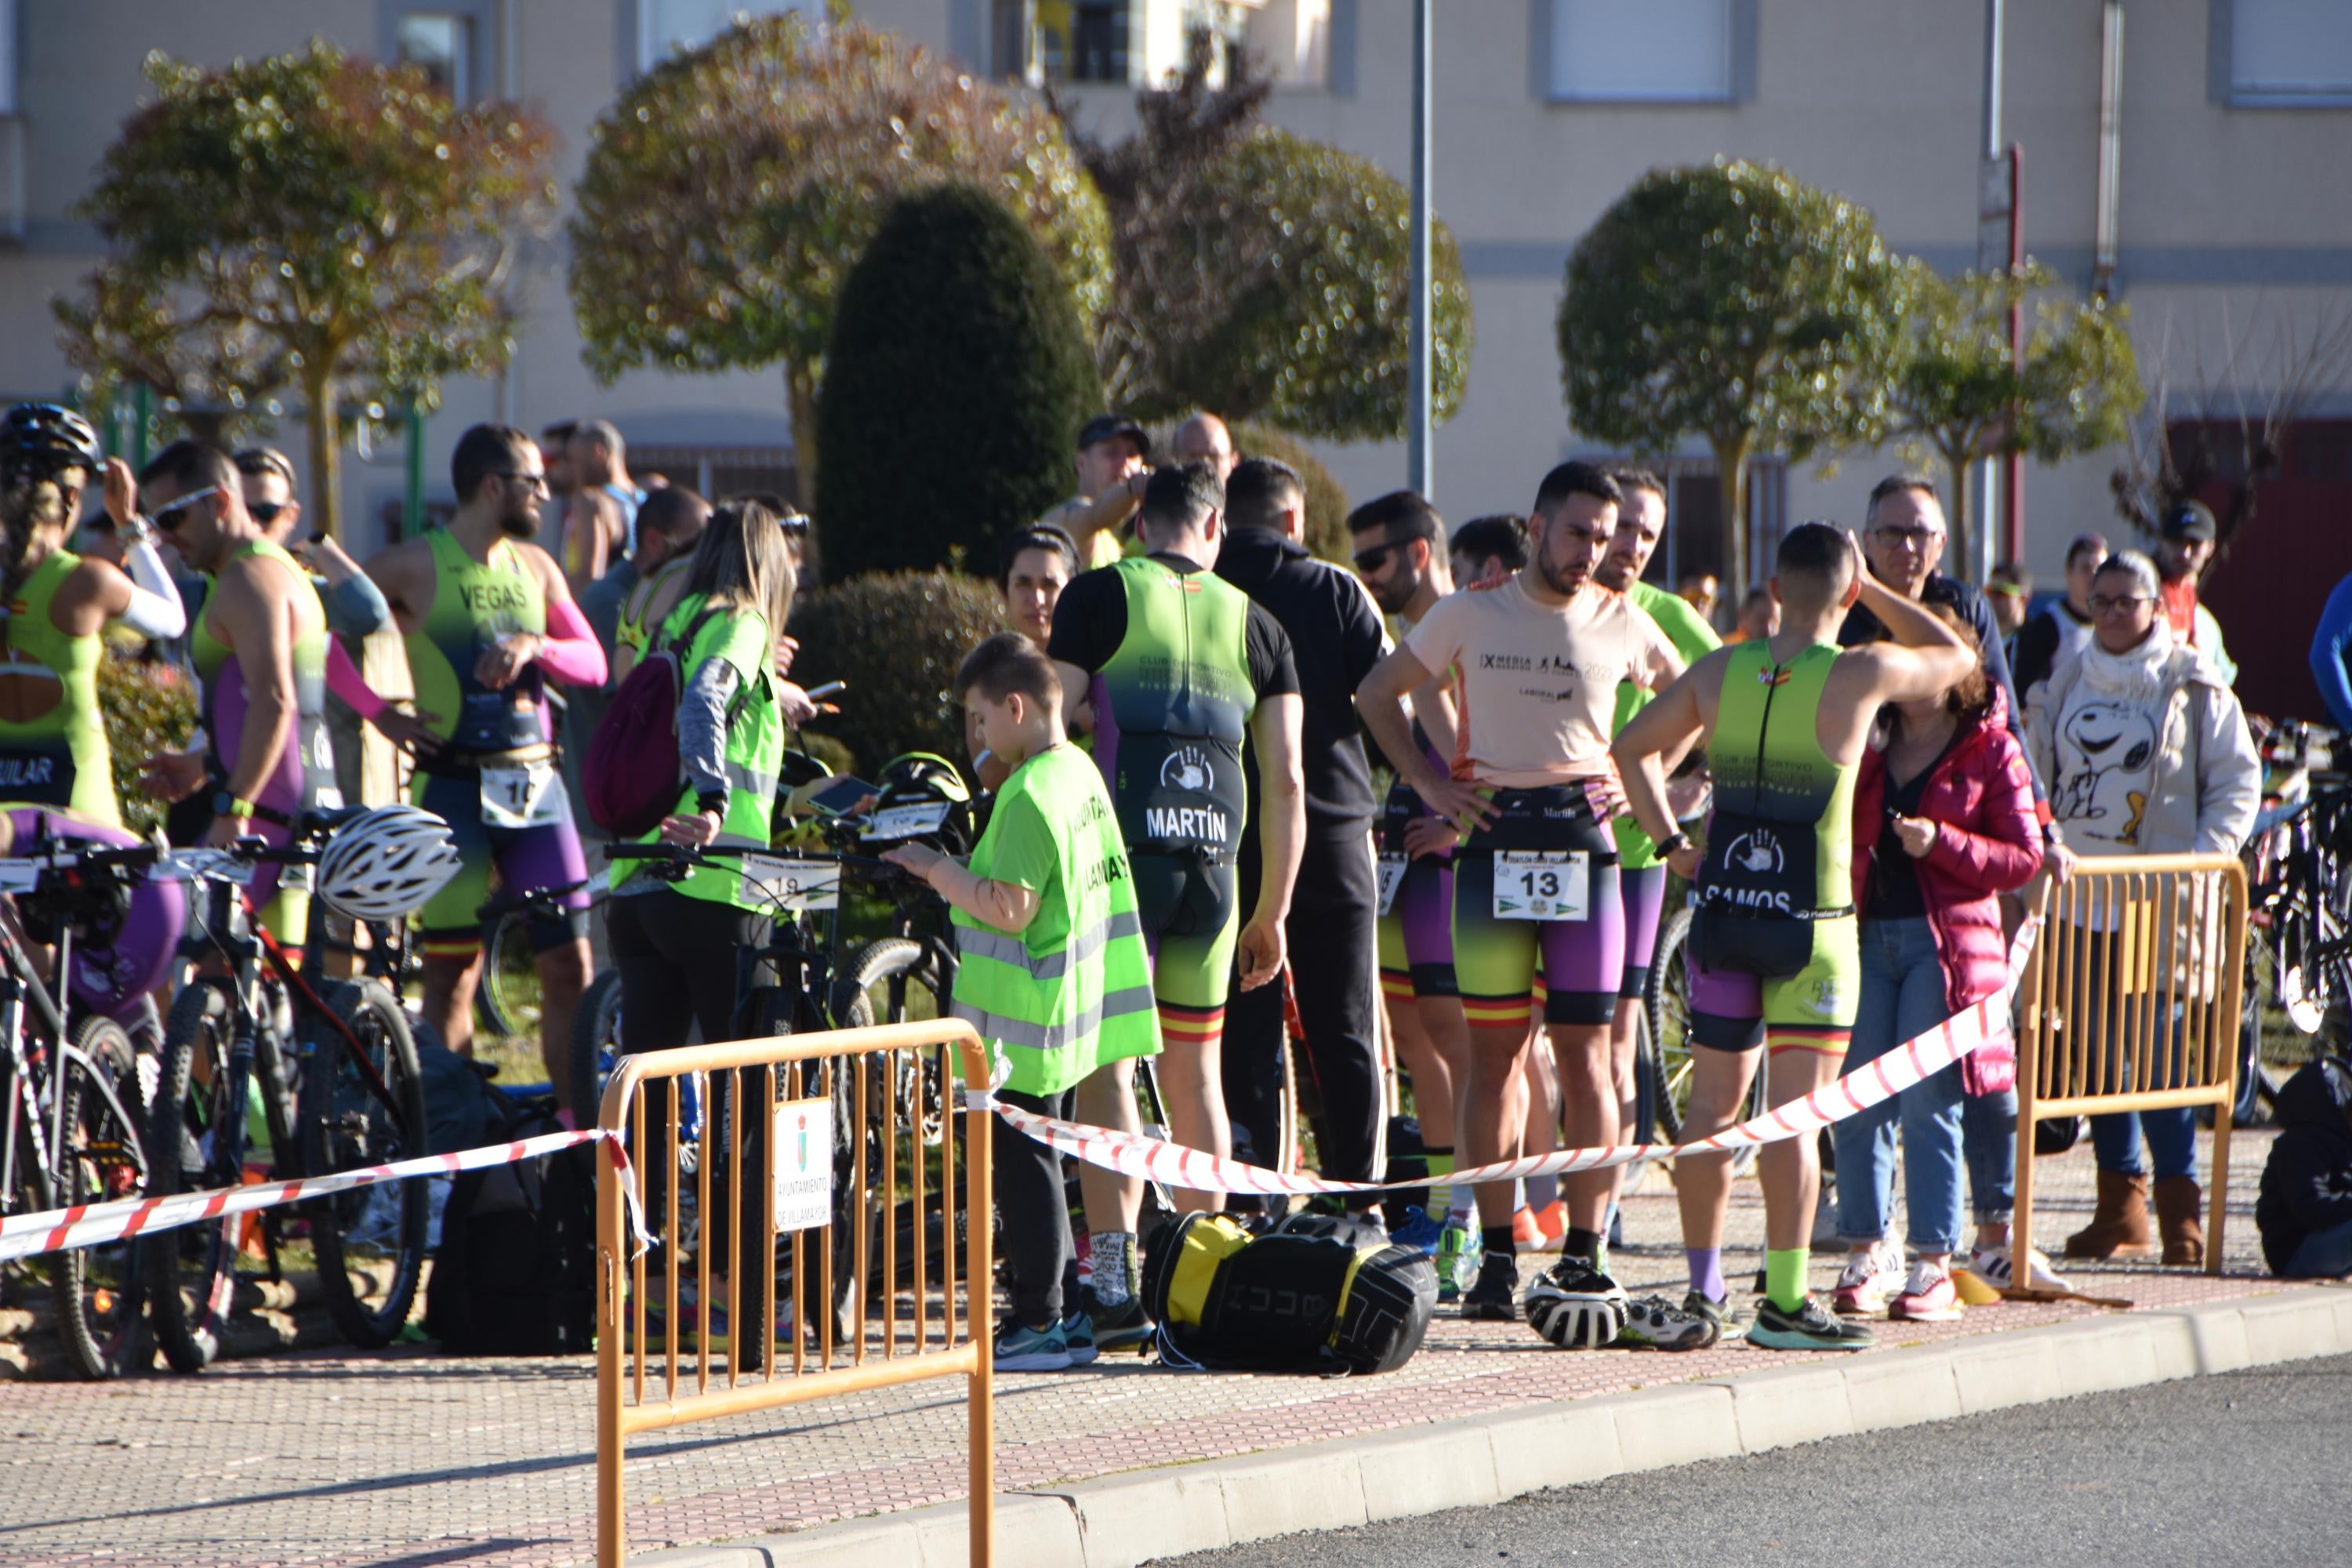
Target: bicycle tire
498	1010
27	1193
1667	1002
191	1121
99	1290
596	1044
345	1126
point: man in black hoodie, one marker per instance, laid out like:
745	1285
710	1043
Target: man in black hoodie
2305	1212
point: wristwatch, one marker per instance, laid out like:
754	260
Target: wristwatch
1672	844
228	805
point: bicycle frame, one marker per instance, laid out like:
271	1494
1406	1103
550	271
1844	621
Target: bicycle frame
29	1084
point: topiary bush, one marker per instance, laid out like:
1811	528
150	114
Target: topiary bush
147	708
958	372
1327	502
896	638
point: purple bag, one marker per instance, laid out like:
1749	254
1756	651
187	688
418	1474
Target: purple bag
631	776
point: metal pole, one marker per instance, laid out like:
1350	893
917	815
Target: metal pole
1991	150
1417	413
412	512
2013	478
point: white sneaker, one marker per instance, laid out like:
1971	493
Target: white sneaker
1991	1265
1928	1295
1869	1281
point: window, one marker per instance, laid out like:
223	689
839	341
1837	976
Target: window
665	26
1660	51
1083	40
2284	52
441	45
1294	40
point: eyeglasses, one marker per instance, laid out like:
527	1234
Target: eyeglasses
528	481
1907	538
167	518
2102	602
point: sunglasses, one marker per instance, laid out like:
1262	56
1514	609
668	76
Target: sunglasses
793	523
167	518
1376	558
528	481
265	511
2102	602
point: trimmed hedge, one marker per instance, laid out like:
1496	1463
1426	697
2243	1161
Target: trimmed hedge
896	638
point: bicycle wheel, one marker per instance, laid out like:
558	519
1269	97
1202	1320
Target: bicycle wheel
505	998
196	1138
345	1124
1671	1058
596	1044
99	1289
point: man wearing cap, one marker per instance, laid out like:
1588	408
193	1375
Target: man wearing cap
1113	462
2184	551
2064	624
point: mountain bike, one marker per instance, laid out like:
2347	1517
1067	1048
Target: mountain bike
2299	915
505	998
262	1068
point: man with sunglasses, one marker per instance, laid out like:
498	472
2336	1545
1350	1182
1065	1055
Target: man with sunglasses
489	620
355	606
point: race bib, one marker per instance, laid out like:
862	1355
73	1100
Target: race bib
1392	879
214	865
1542	884
906	821
777	883
529	796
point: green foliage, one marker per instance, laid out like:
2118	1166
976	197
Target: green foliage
1959	389
1327	502
896	638
729	192
1732	301
959	370
308	222
147	708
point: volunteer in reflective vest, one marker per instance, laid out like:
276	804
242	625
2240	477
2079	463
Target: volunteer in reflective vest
1052	973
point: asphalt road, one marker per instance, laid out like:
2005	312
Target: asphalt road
2246	1468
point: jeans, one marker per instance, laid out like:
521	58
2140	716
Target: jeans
2172	1134
1988	1131
2322	1255
1902	997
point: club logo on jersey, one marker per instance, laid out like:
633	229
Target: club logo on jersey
1773	674
1188	769
1825	999
1756	852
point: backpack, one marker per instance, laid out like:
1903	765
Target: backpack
630	779
1319	1293
515	1273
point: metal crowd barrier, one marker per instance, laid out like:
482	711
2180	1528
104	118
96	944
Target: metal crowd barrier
2131	1003
894	1090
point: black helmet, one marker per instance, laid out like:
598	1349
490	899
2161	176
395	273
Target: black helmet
39	439
920	776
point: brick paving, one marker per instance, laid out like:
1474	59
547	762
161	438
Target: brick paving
408	1459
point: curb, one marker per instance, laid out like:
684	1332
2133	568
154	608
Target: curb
1121	1520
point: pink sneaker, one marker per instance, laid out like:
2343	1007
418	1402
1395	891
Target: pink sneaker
1867	1281
1928	1295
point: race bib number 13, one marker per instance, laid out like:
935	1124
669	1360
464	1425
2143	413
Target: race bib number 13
524	797
1547	885
1392	879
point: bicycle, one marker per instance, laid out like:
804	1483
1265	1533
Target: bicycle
505	998
337	1086
69	1135
1667	1055
2299	958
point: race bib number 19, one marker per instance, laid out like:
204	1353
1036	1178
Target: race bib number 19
1546	885
524	797
1392	879
805	885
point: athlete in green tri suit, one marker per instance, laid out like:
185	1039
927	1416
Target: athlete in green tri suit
489	621
1177	666
1785	721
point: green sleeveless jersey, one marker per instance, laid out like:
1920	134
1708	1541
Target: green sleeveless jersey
475	604
1074	990
1172	707
1693	639
304	773
59	756
1783	836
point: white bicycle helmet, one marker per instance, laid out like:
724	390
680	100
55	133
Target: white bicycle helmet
384	865
1575	1306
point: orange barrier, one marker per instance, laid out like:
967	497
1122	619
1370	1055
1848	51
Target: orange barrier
893	1088
2131	1003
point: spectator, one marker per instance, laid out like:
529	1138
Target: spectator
1487	551
2191	784
1113	462
1943	822
2329	641
355	606
1703	591
1032	567
555	456
2064	624
2305	1211
669	526
2008	588
1760	617
2183	551
600	519
1204	438
1336	637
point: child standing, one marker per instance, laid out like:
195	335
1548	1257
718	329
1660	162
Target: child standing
1052	968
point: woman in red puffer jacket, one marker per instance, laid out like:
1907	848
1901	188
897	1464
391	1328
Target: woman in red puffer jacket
1943	824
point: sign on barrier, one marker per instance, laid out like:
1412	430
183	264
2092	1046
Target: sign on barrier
804	1160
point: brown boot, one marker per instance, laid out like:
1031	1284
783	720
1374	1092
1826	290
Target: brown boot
2119	1228
2178	1203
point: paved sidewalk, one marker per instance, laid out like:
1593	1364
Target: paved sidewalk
412	1459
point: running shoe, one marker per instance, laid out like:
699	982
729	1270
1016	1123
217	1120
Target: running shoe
1418	1231
1525	1230
1928	1295
1807	1328
1729	1323
1020	1348
1654	1323
1125	1327
1457	1259
1493	1300
1869	1280
691	1325
1078	1335
1992	1264
1575	1306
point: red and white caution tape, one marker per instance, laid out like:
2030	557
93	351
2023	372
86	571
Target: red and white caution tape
1174	1165
89	1225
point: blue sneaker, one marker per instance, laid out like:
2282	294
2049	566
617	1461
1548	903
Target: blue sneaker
1419	1231
1020	1348
1078	1334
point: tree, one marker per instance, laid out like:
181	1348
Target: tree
731	188
959	370
306	221
1733	303
1959	389
896	638
1261	275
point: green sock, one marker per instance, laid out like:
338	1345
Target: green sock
1784	1277
1441	1194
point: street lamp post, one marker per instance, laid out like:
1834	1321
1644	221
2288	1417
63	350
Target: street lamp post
1417	411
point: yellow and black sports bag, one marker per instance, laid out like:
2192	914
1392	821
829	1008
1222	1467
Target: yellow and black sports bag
1317	1294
